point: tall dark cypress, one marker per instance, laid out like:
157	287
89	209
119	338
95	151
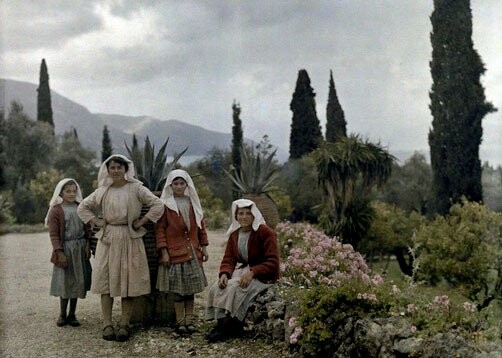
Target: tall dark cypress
458	106
336	126
107	149
305	133
44	105
237	139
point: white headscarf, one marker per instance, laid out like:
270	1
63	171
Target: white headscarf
244	203
167	196
57	199
105	180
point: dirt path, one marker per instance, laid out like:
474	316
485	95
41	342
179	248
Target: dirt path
28	314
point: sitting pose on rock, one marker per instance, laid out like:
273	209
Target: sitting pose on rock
249	266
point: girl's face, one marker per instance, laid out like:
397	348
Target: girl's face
179	185
244	217
69	193
116	171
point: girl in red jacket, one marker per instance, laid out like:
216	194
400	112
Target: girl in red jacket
249	266
181	241
71	276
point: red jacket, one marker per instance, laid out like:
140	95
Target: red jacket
56	225
172	233
263	254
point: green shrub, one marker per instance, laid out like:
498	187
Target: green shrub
464	248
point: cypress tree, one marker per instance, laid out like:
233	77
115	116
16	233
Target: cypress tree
335	119
305	133
107	149
237	139
457	105
44	106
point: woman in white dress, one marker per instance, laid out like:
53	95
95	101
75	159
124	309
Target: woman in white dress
121	266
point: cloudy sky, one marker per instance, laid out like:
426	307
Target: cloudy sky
188	60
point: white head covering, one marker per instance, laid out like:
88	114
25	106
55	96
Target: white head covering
57	199
167	196
104	179
244	203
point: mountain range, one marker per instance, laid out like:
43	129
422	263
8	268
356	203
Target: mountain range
68	114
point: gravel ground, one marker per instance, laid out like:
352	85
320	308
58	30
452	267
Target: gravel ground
28	314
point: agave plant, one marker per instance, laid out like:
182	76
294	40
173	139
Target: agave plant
254	181
152	169
256	174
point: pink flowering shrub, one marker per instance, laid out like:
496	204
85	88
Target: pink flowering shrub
335	284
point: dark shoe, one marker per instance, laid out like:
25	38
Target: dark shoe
108	333
191	328
61	321
72	321
216	335
123	333
181	329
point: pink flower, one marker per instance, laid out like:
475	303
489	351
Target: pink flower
469	307
377	280
410	308
395	290
413	329
292	322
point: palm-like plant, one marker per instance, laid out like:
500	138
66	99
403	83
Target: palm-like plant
152	168
254	180
348	170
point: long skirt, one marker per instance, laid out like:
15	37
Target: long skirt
75	280
121	265
185	278
233	300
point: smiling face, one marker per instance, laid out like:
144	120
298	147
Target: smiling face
179	185
69	193
117	172
245	218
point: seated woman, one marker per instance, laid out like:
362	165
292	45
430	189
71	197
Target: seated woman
250	265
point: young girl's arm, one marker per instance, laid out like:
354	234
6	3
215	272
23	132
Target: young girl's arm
161	239
58	257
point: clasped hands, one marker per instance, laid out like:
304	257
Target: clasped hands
244	280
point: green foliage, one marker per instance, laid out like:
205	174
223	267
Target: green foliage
257	172
153	168
211	167
25	206
28	147
464	248
336	126
74	161
409	185
299	178
106	144
6	217
41	188
215	216
44	105
282	200
237	142
458	106
347	171
305	133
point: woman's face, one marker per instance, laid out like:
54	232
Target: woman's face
244	217
69	193
116	171
179	185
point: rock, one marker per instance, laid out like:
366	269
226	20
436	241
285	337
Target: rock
408	347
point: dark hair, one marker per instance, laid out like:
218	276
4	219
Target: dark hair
69	182
118	160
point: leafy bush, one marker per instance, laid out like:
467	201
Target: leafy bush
214	214
337	285
464	248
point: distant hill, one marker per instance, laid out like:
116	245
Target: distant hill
69	114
